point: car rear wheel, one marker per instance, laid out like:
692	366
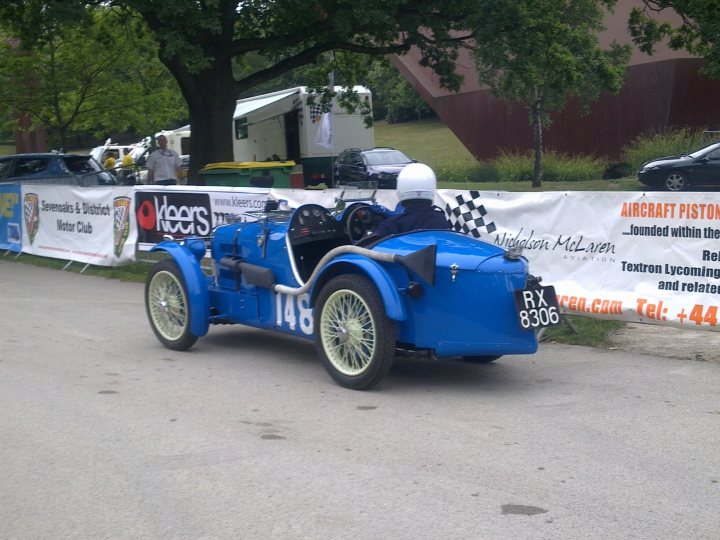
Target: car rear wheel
354	337
676	181
481	359
167	306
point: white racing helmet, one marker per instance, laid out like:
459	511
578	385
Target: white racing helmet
416	181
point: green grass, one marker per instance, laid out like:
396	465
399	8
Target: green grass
429	141
669	143
587	332
622	184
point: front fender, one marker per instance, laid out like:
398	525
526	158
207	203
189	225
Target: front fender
394	306
195	283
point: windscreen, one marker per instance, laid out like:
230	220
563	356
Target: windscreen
389	157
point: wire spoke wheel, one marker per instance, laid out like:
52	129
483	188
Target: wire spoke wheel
348	332
355	339
167	307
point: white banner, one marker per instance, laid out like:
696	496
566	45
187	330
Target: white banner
641	257
90	225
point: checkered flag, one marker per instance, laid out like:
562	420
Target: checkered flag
467	215
316	112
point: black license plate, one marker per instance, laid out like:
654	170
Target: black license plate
537	307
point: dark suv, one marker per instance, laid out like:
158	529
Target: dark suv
50	168
379	164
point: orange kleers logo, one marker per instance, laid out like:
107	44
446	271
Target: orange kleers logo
121	223
31	215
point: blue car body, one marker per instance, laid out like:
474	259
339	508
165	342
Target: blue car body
442	294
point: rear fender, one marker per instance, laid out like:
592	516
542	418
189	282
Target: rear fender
195	282
350	263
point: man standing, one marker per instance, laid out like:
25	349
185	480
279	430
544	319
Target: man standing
126	168
164	165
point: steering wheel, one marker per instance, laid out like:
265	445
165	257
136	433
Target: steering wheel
361	222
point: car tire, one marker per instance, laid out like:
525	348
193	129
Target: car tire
167	306
354	337
480	359
676	181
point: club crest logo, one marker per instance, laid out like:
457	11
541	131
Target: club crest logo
121	223
31	215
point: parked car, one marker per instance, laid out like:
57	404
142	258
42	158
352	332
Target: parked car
677	173
380	165
319	274
52	168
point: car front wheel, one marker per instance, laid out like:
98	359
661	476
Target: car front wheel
676	181
354	337
167	306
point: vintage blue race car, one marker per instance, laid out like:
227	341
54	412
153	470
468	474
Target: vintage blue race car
320	274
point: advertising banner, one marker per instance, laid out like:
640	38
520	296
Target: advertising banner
641	257
10	218
90	225
649	257
185	211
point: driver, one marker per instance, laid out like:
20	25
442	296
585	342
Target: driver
416	192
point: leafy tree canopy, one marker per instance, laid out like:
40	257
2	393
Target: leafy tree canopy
207	44
698	32
97	75
539	52
394	99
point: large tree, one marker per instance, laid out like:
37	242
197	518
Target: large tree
201	39
97	75
394	99
539	52
698	30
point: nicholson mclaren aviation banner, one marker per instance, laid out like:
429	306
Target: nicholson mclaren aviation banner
90	225
642	257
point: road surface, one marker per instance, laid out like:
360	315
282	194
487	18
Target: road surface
106	434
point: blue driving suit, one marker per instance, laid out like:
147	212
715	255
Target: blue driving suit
418	214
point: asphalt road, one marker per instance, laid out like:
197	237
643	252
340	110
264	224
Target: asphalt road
105	434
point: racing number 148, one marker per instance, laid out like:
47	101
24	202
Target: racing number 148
293	311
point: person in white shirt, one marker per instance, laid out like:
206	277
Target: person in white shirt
164	165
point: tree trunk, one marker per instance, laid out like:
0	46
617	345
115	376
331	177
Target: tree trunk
210	96
538	144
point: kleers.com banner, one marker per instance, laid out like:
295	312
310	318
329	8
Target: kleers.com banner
641	257
186	211
10	218
90	225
